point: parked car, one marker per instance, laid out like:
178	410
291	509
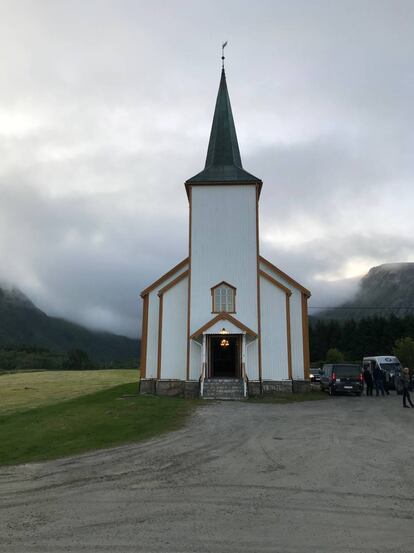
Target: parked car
343	378
390	366
315	374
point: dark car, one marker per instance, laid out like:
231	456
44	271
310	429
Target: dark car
342	378
315	375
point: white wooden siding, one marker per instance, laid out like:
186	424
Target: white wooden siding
296	334
273	332
252	359
174	332
195	360
223	247
298	371
152	335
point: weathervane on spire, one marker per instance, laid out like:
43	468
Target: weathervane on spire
222	53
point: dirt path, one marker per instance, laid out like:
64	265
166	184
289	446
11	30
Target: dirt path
310	477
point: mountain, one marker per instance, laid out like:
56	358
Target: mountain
22	323
385	290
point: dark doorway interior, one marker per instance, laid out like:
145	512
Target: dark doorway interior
224	356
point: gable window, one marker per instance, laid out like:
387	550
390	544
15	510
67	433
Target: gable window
224	298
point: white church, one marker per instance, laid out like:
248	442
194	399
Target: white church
224	322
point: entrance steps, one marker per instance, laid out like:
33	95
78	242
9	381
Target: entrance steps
223	388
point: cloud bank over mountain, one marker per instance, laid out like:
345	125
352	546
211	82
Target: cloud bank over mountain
105	111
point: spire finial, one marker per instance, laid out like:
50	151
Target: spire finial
222	54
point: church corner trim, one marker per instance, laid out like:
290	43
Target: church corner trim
259	299
190	230
159	352
289	337
144	338
305	334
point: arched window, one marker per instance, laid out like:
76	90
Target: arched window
224	298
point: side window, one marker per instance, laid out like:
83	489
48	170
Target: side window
223	298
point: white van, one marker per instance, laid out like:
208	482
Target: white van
387	363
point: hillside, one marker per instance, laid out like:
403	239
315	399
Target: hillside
385	290
22	323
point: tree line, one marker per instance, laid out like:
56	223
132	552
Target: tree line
33	358
357	339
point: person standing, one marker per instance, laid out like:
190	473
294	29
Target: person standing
385	381
405	378
368	381
378	381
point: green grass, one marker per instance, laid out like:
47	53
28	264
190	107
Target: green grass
105	418
46	415
23	391
291	398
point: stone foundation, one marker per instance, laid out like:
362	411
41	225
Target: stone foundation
171	388
300	386
190	389
274	387
271	387
253	388
147	386
174	388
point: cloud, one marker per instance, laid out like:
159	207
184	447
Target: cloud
105	110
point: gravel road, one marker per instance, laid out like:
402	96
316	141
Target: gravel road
326	476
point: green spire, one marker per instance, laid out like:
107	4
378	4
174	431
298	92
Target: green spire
223	162
223	148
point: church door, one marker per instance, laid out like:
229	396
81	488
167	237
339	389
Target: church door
224	357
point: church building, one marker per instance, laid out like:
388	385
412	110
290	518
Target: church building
225	321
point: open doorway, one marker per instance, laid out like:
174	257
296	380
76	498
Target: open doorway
224	359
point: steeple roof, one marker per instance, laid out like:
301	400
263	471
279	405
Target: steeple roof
223	163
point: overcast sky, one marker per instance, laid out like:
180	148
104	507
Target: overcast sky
106	109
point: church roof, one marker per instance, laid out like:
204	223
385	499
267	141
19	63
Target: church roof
223	162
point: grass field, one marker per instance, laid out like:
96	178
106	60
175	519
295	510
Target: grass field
47	415
23	391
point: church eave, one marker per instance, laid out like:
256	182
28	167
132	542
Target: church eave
257	183
219	173
173	283
289	279
164	277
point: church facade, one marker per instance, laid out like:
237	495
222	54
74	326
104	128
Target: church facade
225	315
